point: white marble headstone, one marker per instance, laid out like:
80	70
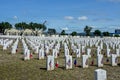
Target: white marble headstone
118	52
78	53
114	60
27	54
5	47
98	51
100	74
13	50
100	60
108	53
66	52
41	54
37	49
85	61
54	53
68	62
88	52
83	49
50	62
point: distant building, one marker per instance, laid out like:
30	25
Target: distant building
117	31
51	31
12	32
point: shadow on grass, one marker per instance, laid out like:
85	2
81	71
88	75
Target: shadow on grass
118	64
62	67
22	59
36	58
93	65
107	64
21	53
43	69
79	66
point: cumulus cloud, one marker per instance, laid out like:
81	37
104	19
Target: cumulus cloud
69	17
65	28
83	18
15	17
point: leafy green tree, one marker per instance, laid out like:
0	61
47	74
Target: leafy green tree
116	35
31	25
97	33
22	25
87	30
5	25
63	32
74	33
106	34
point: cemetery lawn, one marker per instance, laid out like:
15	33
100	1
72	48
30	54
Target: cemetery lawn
13	67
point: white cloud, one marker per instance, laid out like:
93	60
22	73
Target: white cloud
83	18
68	17
65	28
15	17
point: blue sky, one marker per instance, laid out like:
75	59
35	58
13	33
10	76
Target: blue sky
72	15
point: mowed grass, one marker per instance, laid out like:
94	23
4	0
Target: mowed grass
13	67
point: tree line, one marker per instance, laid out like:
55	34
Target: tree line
38	26
22	26
87	31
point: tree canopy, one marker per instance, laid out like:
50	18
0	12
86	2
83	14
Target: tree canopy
87	30
74	33
116	35
4	25
106	33
31	25
97	33
63	32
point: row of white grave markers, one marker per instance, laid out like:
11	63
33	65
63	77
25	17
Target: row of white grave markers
15	47
6	44
78	53
26	54
50	62
47	47
83	50
91	41
118	52
85	61
74	50
26	51
54	53
108	53
41	54
1	42
10	36
100	60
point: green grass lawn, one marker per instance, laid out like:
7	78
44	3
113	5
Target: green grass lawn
13	67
